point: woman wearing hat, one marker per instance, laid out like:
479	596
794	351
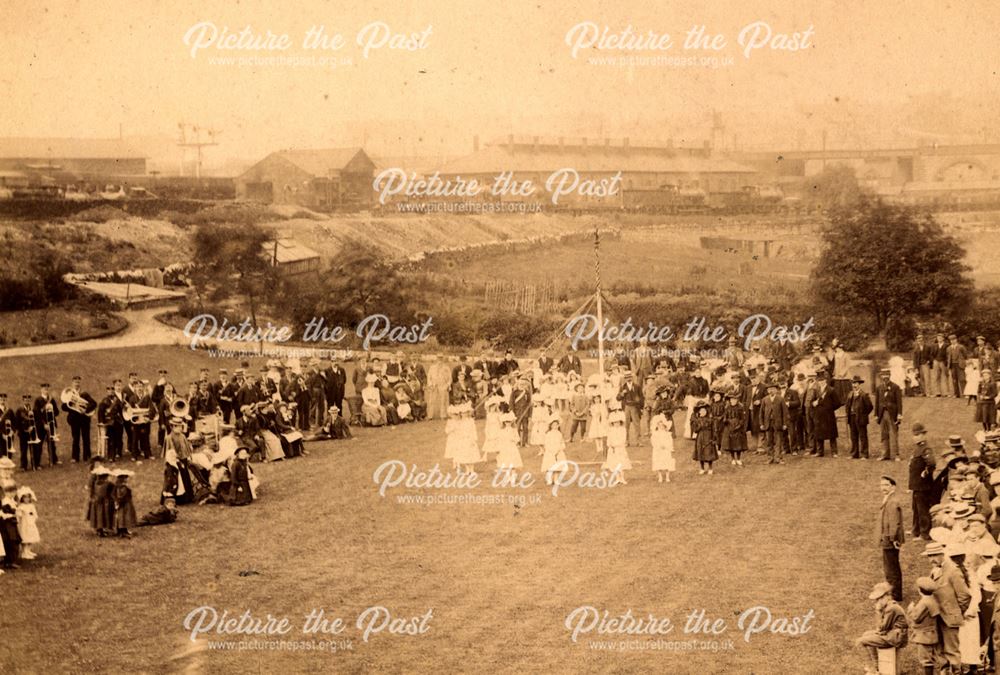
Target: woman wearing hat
704	452
371	403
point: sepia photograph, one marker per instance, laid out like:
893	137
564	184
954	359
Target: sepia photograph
500	337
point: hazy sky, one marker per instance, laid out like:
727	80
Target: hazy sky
82	68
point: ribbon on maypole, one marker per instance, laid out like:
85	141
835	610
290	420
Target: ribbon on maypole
600	309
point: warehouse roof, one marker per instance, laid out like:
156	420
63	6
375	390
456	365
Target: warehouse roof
321	162
67	148
598	159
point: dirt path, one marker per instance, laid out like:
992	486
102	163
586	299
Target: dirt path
143	329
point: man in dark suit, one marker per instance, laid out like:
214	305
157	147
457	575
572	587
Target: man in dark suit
774	423
7	445
47	408
889	413
630	395
508	366
956	364
824	405
923	361
921	483
859	407
954	597
463	366
570	361
545	362
793	402
486	365
891	535
520	405
335	386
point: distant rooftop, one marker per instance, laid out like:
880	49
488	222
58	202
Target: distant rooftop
288	251
67	148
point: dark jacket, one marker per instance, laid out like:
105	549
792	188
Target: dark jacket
921	471
888	400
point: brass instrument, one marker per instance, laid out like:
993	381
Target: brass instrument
50	422
8	438
102	440
136	415
73	401
32	430
179	407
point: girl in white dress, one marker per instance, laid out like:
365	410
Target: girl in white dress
972	377
509	457
468	439
598	429
491	439
618	461
27	521
560	391
452	440
663	447
555	449
539	423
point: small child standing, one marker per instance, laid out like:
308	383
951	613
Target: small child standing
491	439
555	449
972	377
508	457
663	447
579	411
101	506
704	444
734	429
451	442
539	423
598	430
124	514
468	441
8	526
27	521
617	461
922	616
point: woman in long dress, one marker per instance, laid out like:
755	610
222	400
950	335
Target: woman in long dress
371	403
468	443
597	430
509	457
555	449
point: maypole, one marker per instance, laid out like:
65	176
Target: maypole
600	309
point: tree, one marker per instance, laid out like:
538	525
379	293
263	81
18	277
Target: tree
359	283
835	187
233	260
889	262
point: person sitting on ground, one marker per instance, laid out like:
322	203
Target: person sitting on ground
335	427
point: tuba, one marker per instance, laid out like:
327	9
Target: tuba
136	415
73	401
179	407
8	438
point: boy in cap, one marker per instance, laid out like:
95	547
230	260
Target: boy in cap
892	631
921	483
922	616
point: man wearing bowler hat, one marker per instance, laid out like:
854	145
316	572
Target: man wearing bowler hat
891	535
889	413
921	483
859	407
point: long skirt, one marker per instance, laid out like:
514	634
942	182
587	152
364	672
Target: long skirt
272	445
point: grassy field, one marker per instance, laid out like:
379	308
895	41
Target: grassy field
500	578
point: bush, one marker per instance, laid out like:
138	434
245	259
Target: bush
100	214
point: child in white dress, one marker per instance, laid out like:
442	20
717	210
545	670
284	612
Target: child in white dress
618	461
560	391
452	440
509	457
555	449
468	439
27	521
598	429
539	423
491	440
663	447
972	377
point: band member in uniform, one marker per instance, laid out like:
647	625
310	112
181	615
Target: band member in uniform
161	383
225	394
142	415
167	397
27	434
113	420
128	398
8	428
79	422
46	411
249	393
